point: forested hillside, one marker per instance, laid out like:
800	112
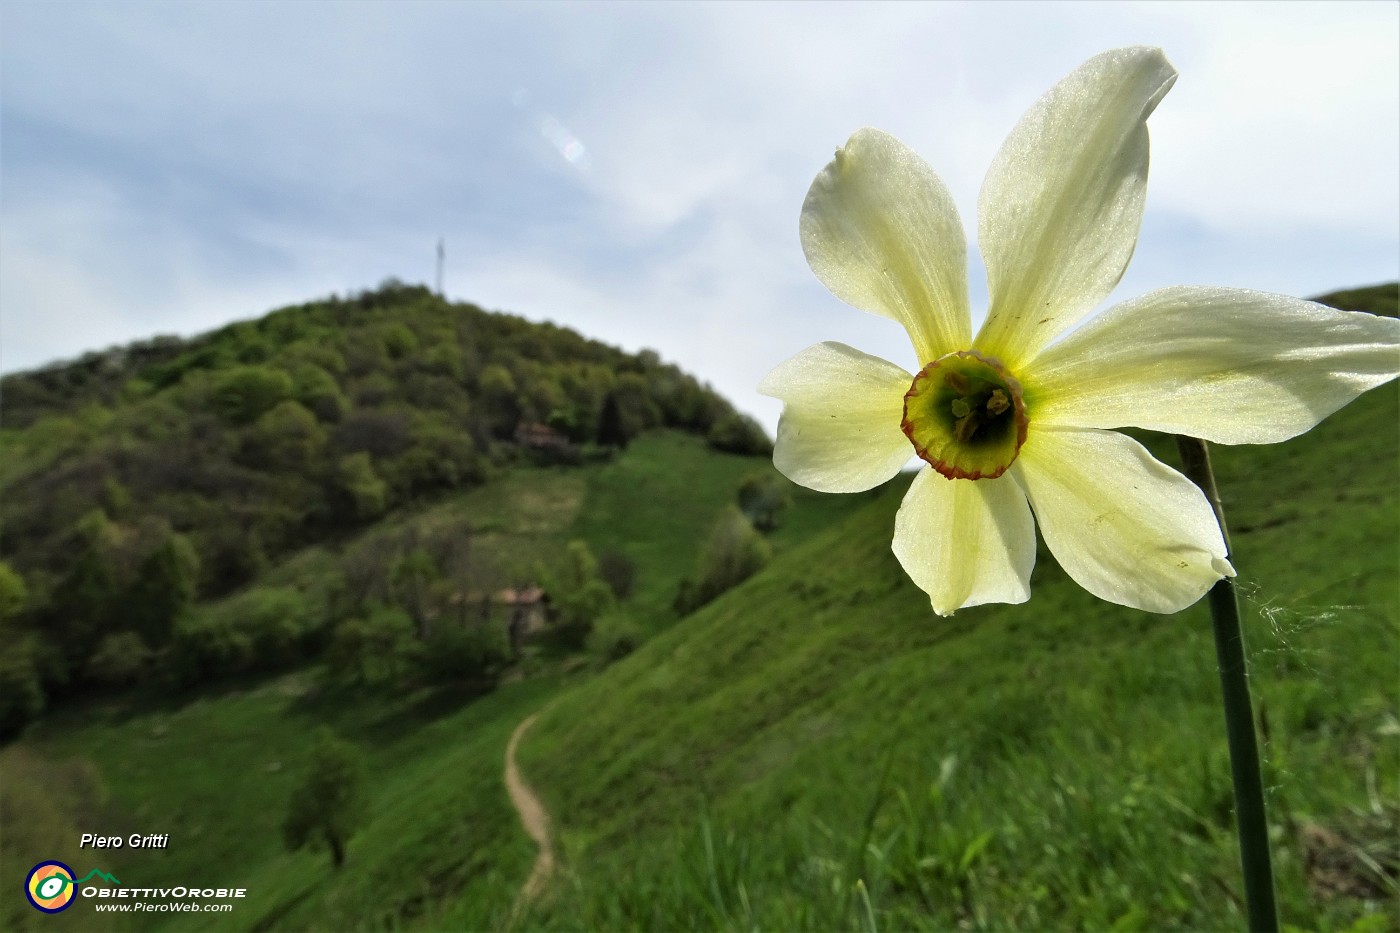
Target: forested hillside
140	480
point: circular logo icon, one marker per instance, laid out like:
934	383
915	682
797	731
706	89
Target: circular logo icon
50	887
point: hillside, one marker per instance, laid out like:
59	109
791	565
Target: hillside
811	750
817	751
142	481
213	764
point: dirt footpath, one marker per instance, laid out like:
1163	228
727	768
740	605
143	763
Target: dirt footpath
532	816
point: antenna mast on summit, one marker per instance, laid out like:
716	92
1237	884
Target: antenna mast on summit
441	252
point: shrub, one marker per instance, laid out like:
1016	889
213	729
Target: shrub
456	653
762	499
614	637
734	553
121	660
618	572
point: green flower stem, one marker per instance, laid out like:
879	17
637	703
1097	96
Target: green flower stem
1250	820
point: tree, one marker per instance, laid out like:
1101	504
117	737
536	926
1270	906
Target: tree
612	431
245	392
370	650
287	438
627	411
581	596
163	591
470	654
499	403
21	693
399	341
412	576
739	434
318	391
86	600
368	494
327	807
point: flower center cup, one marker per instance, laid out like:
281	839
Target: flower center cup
965	416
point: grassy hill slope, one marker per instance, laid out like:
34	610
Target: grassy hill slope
816	750
214	766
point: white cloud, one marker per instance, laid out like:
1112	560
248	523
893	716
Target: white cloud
169	167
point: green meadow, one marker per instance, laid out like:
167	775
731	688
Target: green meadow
817	751
812	750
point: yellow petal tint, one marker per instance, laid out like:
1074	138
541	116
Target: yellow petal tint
1223	364
1125	527
966	543
881	232
1060	207
839	431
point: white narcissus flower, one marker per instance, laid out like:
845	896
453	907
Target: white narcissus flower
1011	425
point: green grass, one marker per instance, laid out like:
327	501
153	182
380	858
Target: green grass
816	750
672	485
216	774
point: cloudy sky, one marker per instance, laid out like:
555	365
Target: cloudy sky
634	171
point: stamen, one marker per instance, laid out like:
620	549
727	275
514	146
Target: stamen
966	427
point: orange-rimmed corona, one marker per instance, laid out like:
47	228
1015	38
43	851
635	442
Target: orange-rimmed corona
966	416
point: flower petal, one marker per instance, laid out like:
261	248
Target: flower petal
882	233
1125	527
1227	365
840	428
966	542
1059	211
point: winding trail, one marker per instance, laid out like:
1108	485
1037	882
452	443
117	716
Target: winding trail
532	816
